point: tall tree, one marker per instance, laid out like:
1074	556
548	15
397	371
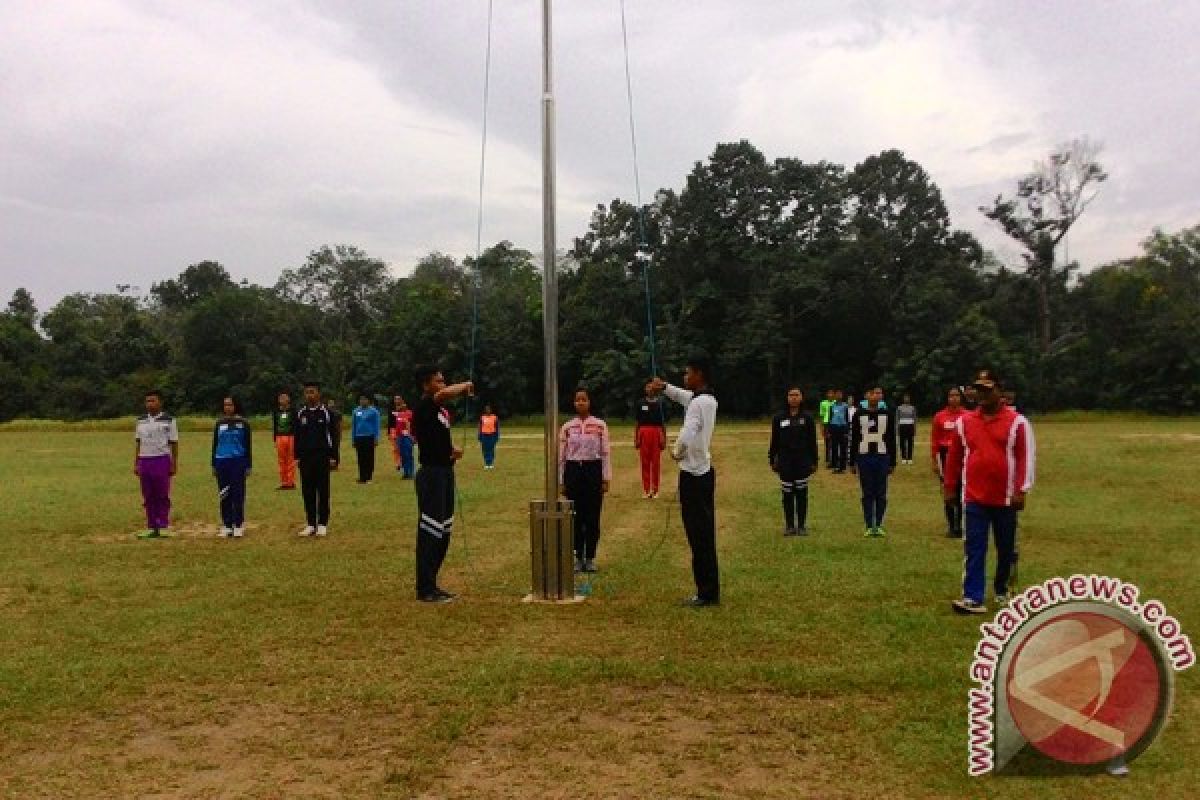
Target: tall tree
1049	200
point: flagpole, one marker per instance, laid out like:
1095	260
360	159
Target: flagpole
549	271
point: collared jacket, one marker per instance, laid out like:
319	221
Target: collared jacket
994	455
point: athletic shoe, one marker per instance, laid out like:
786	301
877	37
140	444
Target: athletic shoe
654	495
802	531
869	533
322	530
880	532
239	532
434	597
309	530
965	605
1001	600
226	532
696	601
153	533
589	565
440	592
579	565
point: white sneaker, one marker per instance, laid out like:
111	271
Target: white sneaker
238	532
309	530
322	530
225	532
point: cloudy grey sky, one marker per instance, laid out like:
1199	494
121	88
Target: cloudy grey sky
137	137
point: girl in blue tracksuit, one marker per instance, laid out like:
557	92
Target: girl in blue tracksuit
231	461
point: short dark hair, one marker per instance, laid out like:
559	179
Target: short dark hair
156	392
424	373
313	384
699	361
237	404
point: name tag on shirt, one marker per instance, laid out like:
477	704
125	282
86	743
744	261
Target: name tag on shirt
785	423
645	408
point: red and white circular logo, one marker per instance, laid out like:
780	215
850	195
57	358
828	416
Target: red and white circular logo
1085	686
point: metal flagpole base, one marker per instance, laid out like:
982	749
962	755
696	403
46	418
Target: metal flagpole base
552	554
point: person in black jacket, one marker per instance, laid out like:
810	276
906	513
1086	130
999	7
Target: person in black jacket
318	432
873	458
435	478
793	455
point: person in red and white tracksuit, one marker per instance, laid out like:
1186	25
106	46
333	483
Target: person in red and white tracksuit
942	432
993	452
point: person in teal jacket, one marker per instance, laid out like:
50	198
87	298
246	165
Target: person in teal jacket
365	429
232	458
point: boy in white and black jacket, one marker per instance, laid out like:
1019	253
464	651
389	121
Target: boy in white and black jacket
873	457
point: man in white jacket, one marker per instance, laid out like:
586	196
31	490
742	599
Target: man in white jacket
697	479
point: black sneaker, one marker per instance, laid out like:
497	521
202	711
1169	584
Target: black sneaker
789	531
589	565
434	597
696	601
802	531
440	592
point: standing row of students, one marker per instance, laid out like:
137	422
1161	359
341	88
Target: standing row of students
983	459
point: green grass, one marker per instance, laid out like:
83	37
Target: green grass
281	667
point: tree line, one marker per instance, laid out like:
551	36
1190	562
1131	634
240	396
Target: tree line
786	272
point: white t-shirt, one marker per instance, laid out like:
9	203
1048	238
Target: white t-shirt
155	434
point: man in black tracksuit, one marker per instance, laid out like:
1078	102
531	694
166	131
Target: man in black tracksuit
318	433
793	455
435	479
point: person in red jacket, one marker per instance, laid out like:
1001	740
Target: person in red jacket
942	432
993	451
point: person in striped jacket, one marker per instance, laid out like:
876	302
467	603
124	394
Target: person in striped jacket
994	453
584	475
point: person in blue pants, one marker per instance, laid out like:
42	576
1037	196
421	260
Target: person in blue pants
489	434
873	458
232	458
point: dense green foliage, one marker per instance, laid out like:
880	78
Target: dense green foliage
786	272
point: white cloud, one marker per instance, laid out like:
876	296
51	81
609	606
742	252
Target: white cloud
213	129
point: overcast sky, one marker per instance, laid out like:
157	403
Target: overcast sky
139	137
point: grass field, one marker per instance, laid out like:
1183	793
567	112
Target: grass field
283	667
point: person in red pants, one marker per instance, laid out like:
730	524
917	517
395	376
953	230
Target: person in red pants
650	439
